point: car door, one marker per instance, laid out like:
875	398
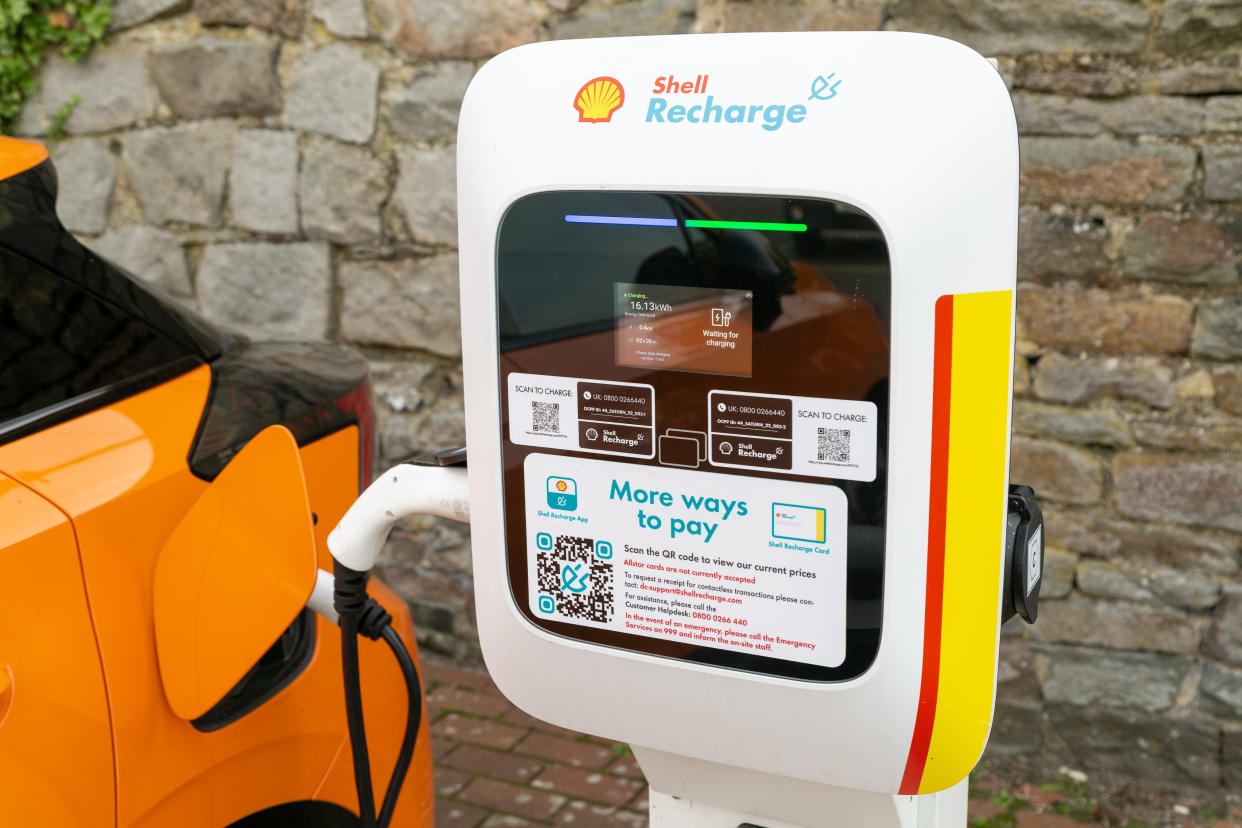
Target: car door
55	740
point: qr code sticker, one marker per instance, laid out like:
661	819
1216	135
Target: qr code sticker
834	445
580	583
545	417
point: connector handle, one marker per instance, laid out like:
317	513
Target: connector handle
400	492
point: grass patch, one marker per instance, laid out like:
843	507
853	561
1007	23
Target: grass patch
1007	800
29	29
1005	820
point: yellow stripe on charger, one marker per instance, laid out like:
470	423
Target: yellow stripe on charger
974	535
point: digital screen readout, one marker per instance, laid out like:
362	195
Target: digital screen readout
672	328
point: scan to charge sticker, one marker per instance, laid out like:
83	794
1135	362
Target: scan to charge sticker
803	435
582	414
741	564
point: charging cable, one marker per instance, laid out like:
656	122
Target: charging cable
436	486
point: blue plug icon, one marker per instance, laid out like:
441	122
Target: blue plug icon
821	85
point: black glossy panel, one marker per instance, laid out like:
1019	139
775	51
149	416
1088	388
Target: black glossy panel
818	326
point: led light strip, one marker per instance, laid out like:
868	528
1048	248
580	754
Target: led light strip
629	220
671	222
747	225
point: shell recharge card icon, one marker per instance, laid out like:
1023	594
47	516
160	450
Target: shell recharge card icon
598	99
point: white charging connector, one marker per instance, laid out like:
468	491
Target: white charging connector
341	596
320	600
400	492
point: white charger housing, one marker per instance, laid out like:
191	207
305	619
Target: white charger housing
872	347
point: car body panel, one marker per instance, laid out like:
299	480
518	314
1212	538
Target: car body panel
98	475
55	739
17	156
120	473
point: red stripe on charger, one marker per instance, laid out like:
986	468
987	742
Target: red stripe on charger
937	499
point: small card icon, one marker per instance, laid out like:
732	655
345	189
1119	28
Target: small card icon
563	493
679	451
804	523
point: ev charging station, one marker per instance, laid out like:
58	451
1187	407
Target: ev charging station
738	324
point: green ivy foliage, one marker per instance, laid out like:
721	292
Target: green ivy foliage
28	29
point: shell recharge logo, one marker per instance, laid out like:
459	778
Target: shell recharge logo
598	99
677	99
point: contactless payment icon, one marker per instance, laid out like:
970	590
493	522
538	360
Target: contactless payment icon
562	493
804	523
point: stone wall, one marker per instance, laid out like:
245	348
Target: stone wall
286	166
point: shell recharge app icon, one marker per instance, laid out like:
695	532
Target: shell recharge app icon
563	493
598	99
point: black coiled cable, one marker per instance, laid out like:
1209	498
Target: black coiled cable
349	597
413	718
361	615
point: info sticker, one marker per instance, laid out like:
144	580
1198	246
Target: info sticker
748	565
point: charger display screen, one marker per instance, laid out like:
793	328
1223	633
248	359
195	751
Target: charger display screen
683	328
694	425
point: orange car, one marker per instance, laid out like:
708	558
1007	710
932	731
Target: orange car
117	410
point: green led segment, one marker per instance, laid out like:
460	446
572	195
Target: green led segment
747	225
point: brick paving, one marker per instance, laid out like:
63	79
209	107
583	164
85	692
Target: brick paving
497	767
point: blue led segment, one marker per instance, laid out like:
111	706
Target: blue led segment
630	220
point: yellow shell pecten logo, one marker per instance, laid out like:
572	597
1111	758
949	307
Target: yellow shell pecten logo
598	99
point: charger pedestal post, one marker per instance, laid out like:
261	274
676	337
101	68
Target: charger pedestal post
686	793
